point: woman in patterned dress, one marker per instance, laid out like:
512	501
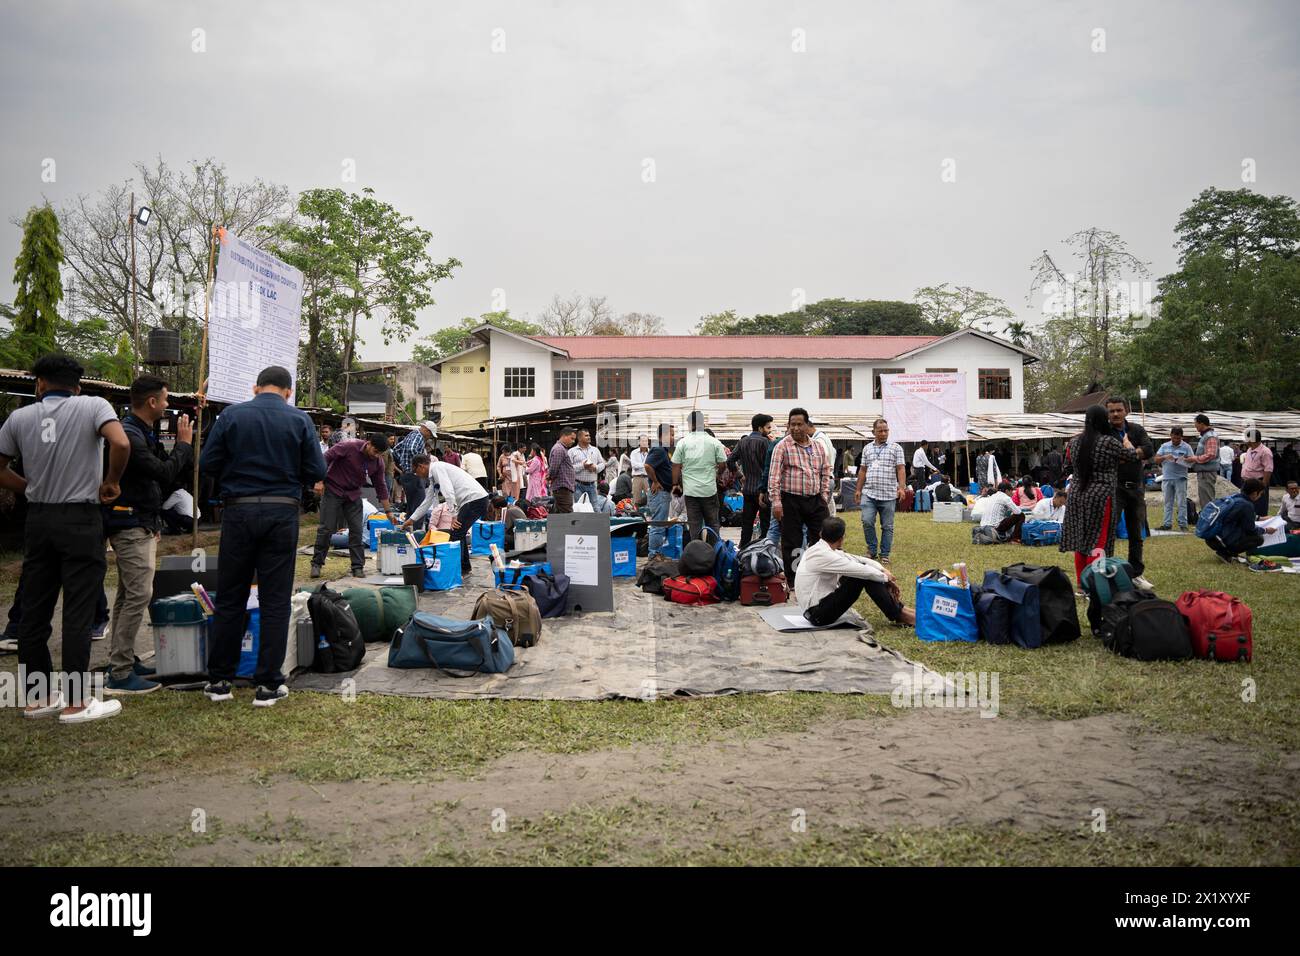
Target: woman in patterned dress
1089	526
537	466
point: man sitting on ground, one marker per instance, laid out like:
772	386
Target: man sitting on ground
1003	515
831	580
1053	508
1290	510
1238	533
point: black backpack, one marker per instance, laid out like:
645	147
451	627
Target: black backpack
332	616
1058	613
1144	628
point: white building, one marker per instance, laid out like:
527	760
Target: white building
836	378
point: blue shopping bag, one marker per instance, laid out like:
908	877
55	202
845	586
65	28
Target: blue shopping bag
624	555
250	645
735	502
1121	530
512	579
441	566
672	546
484	534
944	612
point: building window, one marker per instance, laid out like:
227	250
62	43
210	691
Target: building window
995	383
780	383
454	369
468	368
428	406
726	383
946	371
521	382
875	378
835	383
670	383
614	383
568	384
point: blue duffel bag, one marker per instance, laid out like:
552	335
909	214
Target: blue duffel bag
1037	533
944	611
1026	626
446	643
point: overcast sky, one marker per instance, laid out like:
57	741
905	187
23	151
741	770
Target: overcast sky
774	170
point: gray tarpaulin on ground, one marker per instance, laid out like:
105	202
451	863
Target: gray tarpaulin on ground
645	648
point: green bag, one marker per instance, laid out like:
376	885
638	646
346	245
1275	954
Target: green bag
381	611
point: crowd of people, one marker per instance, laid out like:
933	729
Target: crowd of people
90	478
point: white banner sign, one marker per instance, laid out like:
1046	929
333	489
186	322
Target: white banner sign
256	308
930	406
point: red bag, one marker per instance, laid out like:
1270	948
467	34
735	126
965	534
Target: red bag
763	592
536	513
1221	625
695	591
909	499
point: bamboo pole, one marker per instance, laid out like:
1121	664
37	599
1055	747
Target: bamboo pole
203	377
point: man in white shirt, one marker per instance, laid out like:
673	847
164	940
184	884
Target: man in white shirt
472	464
831	580
1290	510
1051	509
463	495
1003	514
588	463
922	466
640	480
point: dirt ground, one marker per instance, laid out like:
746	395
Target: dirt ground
926	769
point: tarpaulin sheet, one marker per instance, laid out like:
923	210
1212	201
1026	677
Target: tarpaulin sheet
646	648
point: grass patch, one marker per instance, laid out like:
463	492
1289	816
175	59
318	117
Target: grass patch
1081	678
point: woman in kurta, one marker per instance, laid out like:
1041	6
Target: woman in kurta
1089	526
536	473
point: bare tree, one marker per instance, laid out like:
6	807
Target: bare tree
579	315
961	307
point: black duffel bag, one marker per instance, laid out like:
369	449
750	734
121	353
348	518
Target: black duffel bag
1145	628
1058	613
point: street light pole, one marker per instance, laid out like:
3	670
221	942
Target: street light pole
135	306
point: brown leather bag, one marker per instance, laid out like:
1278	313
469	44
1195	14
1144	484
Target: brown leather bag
513	611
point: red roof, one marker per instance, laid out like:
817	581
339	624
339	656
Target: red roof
760	347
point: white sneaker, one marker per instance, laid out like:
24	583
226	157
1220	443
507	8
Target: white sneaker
1143	583
8	645
95	709
47	710
266	697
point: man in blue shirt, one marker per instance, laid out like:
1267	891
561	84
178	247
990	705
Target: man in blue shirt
1172	457
261	453
1237	531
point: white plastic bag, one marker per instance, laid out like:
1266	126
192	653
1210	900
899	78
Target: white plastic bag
583	505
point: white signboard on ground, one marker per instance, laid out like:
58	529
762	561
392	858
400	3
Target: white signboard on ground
254	319
930	406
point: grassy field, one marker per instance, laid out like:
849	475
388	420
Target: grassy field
322	738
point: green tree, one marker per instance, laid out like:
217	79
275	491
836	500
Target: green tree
454	338
36	275
950	308
1229	321
827	317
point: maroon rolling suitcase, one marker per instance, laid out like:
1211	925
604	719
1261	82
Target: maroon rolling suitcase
762	592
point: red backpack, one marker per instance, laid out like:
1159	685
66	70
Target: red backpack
696	591
1220	624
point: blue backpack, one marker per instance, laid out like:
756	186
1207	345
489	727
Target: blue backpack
726	567
1214	516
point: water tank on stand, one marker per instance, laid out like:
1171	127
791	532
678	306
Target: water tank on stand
164	347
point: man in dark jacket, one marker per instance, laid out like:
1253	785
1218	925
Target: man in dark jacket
752	454
132	523
261	453
1130	493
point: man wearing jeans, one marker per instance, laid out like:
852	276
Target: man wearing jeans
463	494
133	522
659	472
587	463
261	452
695	467
799	486
346	467
1172	459
60	440
881	479
1130	492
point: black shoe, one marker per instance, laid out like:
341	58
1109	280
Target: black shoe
219	690
1165	527
358	572
268	698
315	570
